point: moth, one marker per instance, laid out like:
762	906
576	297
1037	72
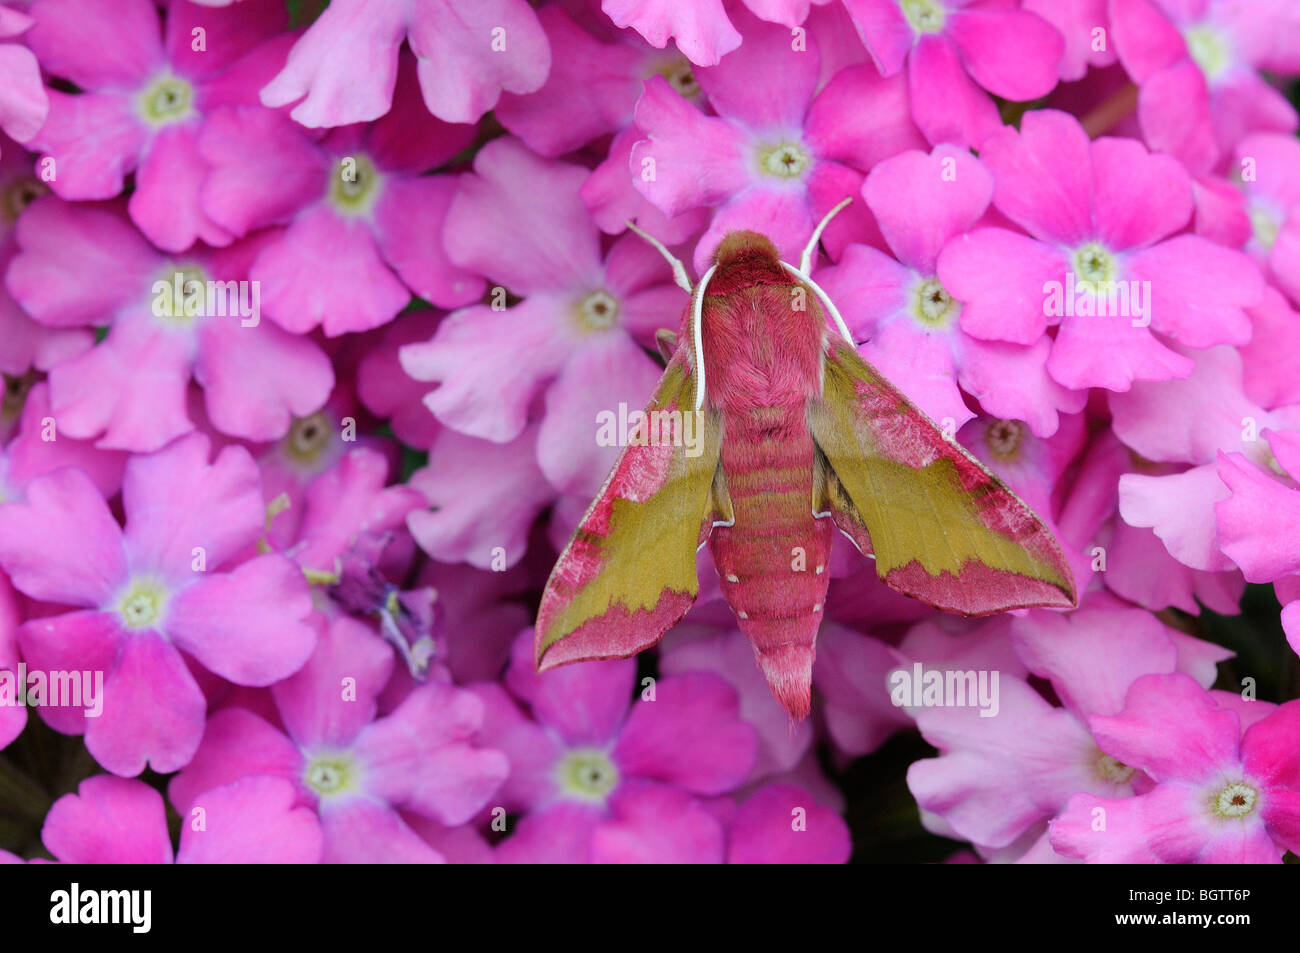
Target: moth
796	436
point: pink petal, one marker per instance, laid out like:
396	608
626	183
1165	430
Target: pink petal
153	710
252	821
24	103
420	757
1138	198
165	203
1269	750
860	118
884	31
409	223
1179	508
561	833
125	39
1173	108
108	821
690	736
94	140
1210	310
363	831
176	500
655	824
946	105
1001	276
236	744
1171	729
766	84
1011	53
61	544
700	30
84	642
585	704
246	626
782	824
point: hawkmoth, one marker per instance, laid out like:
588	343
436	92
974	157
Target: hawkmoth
799	437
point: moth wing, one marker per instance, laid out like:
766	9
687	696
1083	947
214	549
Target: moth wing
628	574
942	527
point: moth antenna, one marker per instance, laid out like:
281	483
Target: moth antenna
697	329
805	260
679	270
825	299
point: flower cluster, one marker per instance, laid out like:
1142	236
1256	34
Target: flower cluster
309	318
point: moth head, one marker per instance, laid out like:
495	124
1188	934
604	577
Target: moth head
745	247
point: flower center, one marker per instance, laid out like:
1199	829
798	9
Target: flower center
1093	266
680	77
932	306
1236	800
329	774
1004	438
141	606
184	298
786	161
354	185
1109	769
19	195
167	100
1265	226
597	311
308	436
925	16
587	774
1209	50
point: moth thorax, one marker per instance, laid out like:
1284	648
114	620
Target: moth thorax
924	16
597	311
18	195
1004	438
1235	800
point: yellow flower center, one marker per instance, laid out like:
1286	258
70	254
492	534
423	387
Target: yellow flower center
1004	438
355	185
587	774
788	160
141	605
1235	800
308	436
932	306
925	16
330	774
597	311
1209	50
167	100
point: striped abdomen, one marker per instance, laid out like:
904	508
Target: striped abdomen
772	562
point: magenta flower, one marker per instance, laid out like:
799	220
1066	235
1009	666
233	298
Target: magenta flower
468	52
910	322
1219	797
30	454
24	103
13	717
354	771
953	51
119	821
363	221
700	29
1197	66
779	154
1101	216
146	96
81	265
164	586
1256	520
784	824
574	338
1272	205
604	783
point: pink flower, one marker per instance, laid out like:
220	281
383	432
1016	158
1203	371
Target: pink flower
80	265
574	338
1219	796
1083	24
951	49
784	824
164	585
118	821
779	154
601	782
146	96
37	449
1191	421
354	771
1197	65
1267	166
363	221
1103	216
701	29
24	103
910	322
1257	519
468	52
